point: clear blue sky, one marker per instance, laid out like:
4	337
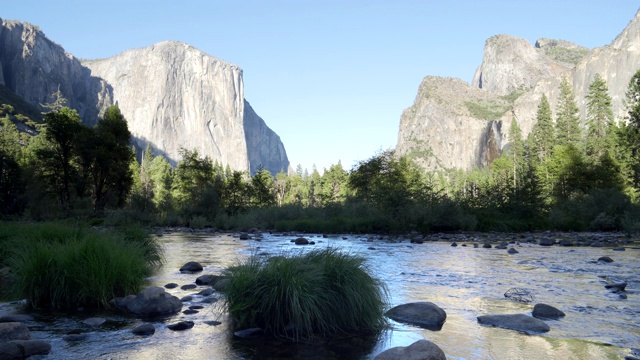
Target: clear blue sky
330	77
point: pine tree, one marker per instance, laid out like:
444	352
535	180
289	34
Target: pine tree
516	152
629	137
567	120
542	134
599	118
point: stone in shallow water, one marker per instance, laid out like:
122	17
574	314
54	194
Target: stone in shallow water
94	321
182	325
605	259
419	350
212	322
518	322
191	266
14	331
190	312
424	314
512	251
171	286
75	337
544	311
188	286
154	301
22	349
208	279
145	329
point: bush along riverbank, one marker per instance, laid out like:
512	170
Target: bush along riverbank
67	266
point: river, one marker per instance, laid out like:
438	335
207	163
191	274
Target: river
465	281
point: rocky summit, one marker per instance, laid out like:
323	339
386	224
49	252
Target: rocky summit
458	125
173	96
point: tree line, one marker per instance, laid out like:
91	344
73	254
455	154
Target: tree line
567	174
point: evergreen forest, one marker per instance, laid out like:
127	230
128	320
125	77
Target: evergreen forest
568	174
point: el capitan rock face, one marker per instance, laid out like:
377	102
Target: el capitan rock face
514	74
172	95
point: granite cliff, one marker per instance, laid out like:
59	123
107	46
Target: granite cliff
172	95
468	127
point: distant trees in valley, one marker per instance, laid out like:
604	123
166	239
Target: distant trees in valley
568	174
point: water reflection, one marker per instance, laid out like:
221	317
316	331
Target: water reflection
464	281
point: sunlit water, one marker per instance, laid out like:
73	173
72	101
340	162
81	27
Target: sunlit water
465	281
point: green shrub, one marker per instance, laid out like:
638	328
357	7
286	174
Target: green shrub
67	266
320	293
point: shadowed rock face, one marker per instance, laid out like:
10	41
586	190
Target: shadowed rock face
173	96
449	126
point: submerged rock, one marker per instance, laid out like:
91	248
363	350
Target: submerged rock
191	266
518	322
208	279
616	287
424	314
182	325
94	321
14	331
605	259
419	350
301	241
154	301
145	329
22	349
544	311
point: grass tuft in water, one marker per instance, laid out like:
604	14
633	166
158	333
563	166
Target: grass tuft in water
321	293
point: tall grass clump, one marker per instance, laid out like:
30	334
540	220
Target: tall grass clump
64	267
320	293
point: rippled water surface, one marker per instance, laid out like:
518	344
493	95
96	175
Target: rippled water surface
465	281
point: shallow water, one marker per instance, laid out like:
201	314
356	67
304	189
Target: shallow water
465	281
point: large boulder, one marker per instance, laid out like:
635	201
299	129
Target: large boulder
154	301
22	349
544	311
518	322
547	241
424	314
14	331
419	350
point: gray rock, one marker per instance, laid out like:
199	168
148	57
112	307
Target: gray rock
191	266
616	287
619	249
518	322
188	286
544	311
206	292
171	286
512	251
424	314
546	242
208	279
486	246
301	241
182	325
597	244
122	302
14	331
190	312
454	244
605	259
144	329
245	236
419	350
186	298
154	301
212	322
22	349
566	242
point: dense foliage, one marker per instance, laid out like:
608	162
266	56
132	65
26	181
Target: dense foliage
70	170
321	293
55	265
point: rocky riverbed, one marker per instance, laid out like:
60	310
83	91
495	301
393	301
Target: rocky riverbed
465	274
